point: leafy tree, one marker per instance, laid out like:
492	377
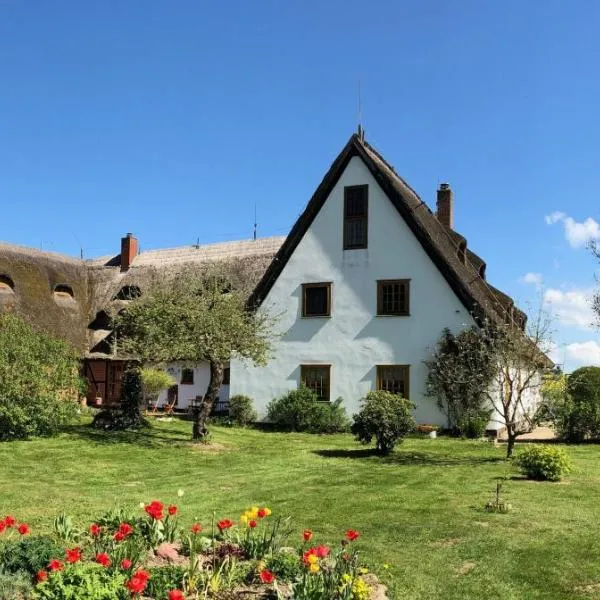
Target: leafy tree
459	375
384	416
39	380
578	414
197	315
154	381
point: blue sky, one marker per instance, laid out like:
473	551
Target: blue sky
172	119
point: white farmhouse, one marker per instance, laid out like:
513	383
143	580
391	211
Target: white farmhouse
364	284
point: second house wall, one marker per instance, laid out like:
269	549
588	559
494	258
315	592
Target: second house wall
354	339
187	392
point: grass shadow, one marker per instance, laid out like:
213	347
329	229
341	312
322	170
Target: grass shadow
410	458
146	437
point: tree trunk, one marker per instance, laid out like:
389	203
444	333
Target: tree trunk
199	429
510	442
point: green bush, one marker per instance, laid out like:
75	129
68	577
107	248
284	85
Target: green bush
285	565
163	579
131	414
83	581
39	381
474	425
29	554
577	414
15	586
241	411
300	410
543	462
384	416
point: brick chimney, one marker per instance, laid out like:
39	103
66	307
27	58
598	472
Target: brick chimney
445	205
129	250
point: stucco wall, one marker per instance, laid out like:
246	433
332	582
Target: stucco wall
354	340
531	399
188	392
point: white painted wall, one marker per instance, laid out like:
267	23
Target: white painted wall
354	340
531	399
188	392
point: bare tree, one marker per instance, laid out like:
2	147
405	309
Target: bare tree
522	357
595	248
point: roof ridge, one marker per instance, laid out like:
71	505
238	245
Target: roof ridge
51	254
392	169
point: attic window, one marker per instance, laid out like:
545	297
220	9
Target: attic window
356	211
7	285
63	292
462	253
482	271
128	292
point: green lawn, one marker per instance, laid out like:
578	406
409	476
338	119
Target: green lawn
420	511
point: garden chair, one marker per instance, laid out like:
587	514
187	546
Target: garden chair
152	407
170	406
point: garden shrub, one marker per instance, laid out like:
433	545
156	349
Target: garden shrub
28	554
164	579
83	581
285	565
300	410
543	462
577	416
132	397
384	416
15	586
131	414
241	411
39	381
474	425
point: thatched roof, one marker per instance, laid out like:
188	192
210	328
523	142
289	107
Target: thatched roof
36	275
38	284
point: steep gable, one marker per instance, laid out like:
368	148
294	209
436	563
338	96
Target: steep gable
440	243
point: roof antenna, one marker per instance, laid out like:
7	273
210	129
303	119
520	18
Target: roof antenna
361	131
255	223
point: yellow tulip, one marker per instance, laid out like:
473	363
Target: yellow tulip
314	568
244	519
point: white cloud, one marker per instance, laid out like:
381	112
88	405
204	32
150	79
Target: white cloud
533	278
571	307
576	233
554	217
583	353
579	234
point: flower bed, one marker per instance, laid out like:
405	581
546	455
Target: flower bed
126	556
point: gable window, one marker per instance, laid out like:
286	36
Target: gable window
226	376
356	210
7	285
187	377
393	297
317	378
394	379
316	299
